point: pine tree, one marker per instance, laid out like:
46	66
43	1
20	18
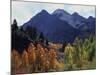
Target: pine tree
14	25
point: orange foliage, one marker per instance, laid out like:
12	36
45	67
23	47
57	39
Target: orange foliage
25	60
36	59
31	53
15	59
52	58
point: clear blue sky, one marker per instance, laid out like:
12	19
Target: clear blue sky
23	11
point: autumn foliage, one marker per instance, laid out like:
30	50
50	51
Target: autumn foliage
34	59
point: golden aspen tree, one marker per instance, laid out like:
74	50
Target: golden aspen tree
52	58
31	53
25	60
15	59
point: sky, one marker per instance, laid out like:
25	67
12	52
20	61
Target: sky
23	11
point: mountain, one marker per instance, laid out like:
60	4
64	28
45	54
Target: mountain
89	24
75	20
63	15
61	26
55	29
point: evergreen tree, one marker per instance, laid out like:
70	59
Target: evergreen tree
31	32
63	46
14	25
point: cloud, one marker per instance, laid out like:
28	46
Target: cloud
51	7
85	10
21	11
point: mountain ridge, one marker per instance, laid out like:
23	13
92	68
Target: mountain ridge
55	28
